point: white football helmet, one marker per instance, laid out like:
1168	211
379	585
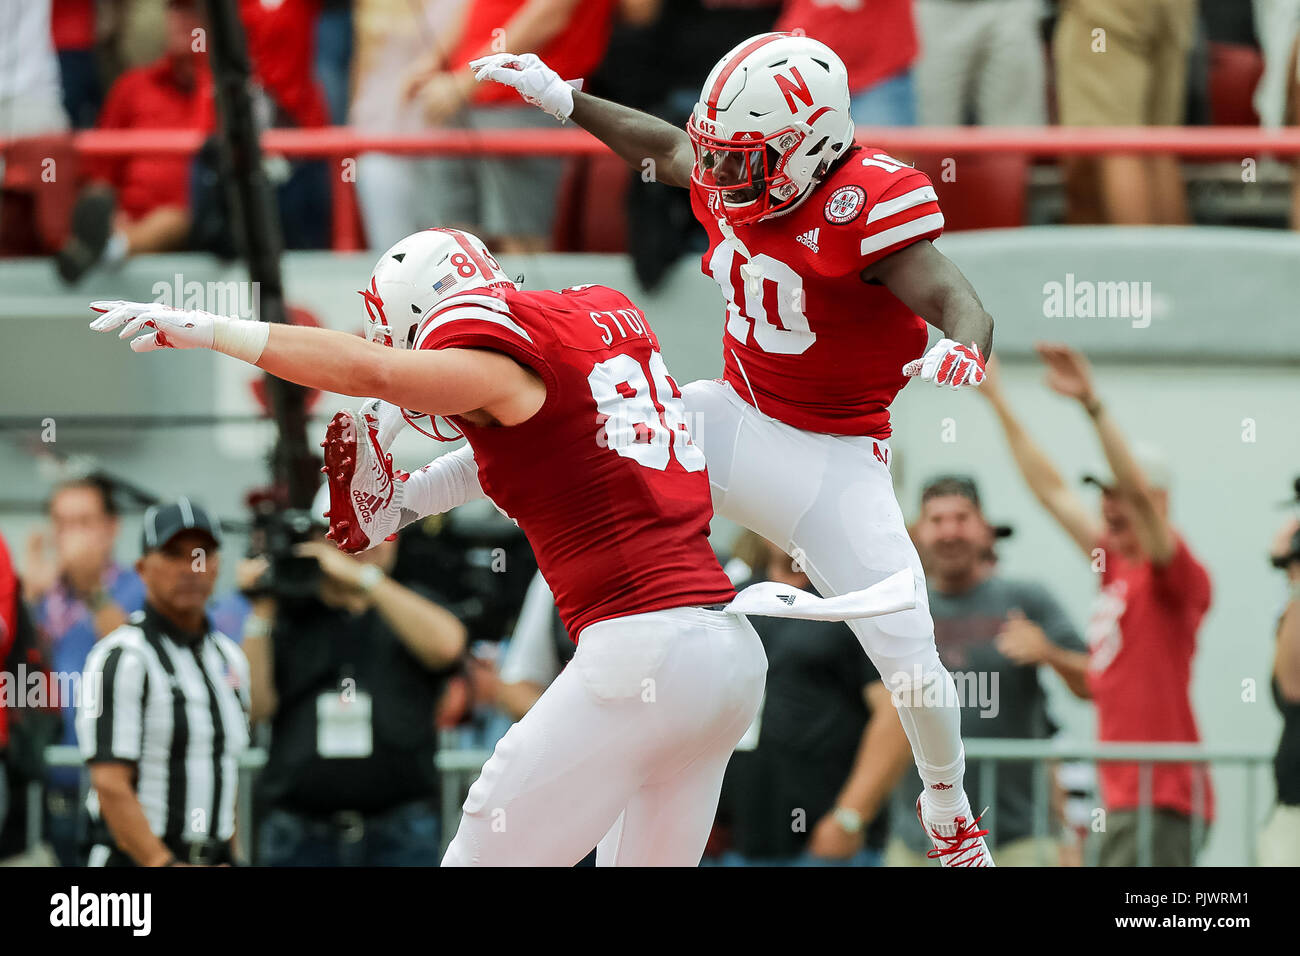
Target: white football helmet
773	116
420	271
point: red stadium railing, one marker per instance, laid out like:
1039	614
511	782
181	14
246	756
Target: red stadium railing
339	143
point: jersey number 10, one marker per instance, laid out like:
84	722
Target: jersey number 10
747	302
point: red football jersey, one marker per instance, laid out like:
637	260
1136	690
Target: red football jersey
604	480
807	341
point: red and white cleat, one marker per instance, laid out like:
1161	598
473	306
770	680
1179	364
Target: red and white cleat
365	498
956	841
386	419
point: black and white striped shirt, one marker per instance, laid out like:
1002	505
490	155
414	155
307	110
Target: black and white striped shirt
179	712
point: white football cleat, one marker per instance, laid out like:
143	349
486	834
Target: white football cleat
956	841
386	418
365	496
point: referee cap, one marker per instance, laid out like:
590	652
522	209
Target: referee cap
164	522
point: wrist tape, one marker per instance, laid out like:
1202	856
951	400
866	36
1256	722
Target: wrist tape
242	338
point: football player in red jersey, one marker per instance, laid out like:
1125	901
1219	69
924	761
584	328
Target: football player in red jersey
576	432
822	250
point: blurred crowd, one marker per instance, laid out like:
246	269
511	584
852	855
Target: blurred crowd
353	673
397	67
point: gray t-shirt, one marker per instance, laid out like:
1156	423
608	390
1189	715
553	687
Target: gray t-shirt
999	697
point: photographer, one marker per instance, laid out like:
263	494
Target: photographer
347	665
1279	841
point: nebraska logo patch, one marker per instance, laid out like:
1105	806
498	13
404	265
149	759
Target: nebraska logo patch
845	204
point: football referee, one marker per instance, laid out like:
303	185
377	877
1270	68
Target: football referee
164	710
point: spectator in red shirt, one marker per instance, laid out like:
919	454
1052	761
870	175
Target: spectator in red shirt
140	204
877	42
1142	635
510	203
8	630
282	48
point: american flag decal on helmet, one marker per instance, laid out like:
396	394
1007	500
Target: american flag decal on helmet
446	282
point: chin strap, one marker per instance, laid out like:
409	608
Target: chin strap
436	435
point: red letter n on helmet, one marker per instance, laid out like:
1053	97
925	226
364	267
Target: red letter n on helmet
792	88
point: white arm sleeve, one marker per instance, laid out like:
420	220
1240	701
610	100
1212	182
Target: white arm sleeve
443	484
531	655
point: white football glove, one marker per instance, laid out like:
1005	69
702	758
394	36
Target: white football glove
166	327
949	363
536	82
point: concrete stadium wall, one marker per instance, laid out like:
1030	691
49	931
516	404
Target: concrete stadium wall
1210	379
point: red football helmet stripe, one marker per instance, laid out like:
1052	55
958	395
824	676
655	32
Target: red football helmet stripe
730	68
473	253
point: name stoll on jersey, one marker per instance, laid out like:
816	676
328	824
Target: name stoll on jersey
807	341
604	480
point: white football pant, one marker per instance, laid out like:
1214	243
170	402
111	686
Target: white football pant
829	502
626	748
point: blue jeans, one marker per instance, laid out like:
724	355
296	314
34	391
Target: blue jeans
334	59
891	102
864	857
81	93
408	835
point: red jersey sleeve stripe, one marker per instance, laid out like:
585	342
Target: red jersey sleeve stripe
473	313
908	231
909	200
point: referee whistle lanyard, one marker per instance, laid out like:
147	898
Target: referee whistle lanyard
769	599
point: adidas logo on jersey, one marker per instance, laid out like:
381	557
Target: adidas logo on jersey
809	238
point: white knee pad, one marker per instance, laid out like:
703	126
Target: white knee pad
911	677
926	698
